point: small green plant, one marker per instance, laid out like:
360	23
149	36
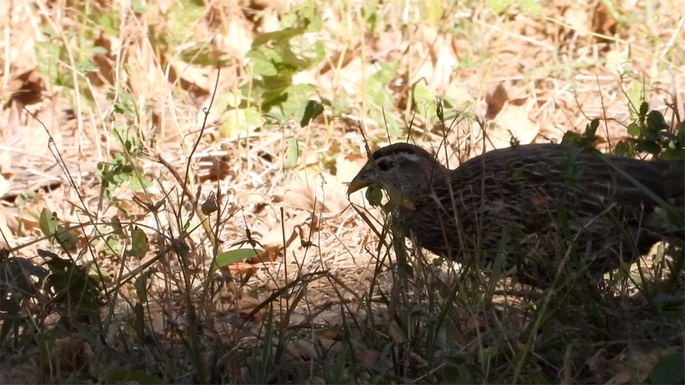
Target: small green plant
73	68
586	140
20	283
64	288
274	61
651	134
512	7
124	169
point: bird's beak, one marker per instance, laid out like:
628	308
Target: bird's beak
358	183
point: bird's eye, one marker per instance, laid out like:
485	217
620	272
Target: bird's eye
385	164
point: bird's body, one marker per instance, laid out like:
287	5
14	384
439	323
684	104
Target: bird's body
535	205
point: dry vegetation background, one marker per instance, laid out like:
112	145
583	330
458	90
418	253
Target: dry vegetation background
181	82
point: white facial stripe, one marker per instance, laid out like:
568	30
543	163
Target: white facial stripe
394	158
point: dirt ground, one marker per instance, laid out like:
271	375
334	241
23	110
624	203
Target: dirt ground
529	74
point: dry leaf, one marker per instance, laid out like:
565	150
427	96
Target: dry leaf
396	333
27	87
322	193
440	59
7	220
20	370
367	357
4	180
576	17
74	353
602	23
348	165
495	99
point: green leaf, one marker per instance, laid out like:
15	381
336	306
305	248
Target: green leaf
374	195
66	239
376	86
264	62
138	183
239	122
668	136
205	55
422	98
656	121
48	222
591	129
434	11
644	108
623	148
382	101
648	147
273	88
633	129
112	246
73	287
391	122
228	100
110	22
139	243
229	257
669	370
306	15
276	37
530	7
139	6
304	52
294	100
87	66
499	7
293	154
636	94
387	70
311	111
141	284
125	105
24	198
116	227
370	15
48	55
182	16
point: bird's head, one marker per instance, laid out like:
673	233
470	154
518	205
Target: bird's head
403	170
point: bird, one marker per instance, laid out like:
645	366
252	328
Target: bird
538	208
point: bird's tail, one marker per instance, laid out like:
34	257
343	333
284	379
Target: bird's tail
675	182
674	189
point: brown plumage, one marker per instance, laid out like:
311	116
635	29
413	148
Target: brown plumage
533	204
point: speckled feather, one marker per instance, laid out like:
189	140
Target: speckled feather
532	202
